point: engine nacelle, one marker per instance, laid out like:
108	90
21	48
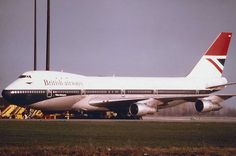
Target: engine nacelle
140	109
206	106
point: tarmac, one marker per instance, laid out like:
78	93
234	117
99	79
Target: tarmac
145	119
189	119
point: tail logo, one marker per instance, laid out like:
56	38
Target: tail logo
218	63
211	64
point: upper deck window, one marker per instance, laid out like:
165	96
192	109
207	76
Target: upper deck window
24	76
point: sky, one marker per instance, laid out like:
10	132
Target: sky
144	38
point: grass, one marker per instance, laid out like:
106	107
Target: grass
93	136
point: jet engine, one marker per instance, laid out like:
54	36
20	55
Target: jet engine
206	106
140	109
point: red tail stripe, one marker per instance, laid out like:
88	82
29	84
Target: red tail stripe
220	45
217	67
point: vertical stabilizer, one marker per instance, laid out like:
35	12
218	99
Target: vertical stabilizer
211	64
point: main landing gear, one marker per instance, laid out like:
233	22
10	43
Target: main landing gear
104	115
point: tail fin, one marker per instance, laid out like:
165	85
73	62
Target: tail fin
211	64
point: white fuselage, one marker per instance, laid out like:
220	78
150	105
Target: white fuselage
64	91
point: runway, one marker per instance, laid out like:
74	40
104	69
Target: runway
200	119
189	119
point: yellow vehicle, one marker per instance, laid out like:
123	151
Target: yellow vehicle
6	113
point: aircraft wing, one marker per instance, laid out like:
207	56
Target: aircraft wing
193	97
190	98
114	102
162	99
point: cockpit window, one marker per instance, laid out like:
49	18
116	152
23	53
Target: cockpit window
24	76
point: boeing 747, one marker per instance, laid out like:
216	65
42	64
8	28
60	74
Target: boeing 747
129	97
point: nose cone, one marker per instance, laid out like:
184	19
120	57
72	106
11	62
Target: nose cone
11	97
22	97
6	94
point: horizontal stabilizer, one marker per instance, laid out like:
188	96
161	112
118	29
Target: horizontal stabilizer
221	86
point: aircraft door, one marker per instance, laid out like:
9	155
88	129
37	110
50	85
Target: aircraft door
49	93
83	91
123	93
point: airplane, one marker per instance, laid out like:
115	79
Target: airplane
128	97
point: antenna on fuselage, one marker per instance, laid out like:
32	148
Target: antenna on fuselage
48	37
35	36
